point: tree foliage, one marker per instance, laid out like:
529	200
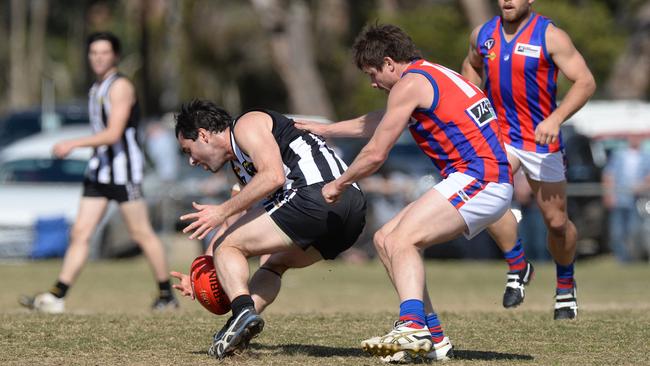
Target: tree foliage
218	49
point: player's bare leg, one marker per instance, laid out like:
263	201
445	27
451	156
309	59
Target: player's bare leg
90	212
401	249
267	280
562	237
136	217
505	235
254	234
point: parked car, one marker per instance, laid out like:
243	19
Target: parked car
35	185
23	123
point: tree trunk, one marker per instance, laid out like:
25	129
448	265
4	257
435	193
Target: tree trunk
476	12
291	38
388	7
18	63
173	47
38	27
630	77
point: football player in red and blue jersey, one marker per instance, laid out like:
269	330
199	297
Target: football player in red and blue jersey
454	124
518	55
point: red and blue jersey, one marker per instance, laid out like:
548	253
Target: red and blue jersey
521	80
459	131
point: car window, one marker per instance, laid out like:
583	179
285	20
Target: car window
43	170
23	124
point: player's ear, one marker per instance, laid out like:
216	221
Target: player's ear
389	63
203	135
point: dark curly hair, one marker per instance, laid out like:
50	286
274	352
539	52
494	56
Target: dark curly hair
197	114
377	41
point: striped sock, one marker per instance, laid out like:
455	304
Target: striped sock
565	280
516	258
434	327
412	310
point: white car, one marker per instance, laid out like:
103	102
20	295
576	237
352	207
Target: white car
36	185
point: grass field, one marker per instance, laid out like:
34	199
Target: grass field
322	314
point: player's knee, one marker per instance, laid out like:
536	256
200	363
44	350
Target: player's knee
393	244
557	225
226	249
142	235
378	241
277	268
79	236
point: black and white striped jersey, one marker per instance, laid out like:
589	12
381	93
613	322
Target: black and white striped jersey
123	161
306	157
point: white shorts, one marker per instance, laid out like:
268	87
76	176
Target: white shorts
541	167
479	203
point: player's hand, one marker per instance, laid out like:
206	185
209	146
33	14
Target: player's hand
311	126
62	149
547	132
206	219
185	287
331	192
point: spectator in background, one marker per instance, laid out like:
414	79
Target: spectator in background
161	147
163	153
625	179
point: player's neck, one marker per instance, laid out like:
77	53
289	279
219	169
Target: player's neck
511	28
104	76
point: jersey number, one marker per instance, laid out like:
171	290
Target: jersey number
455	78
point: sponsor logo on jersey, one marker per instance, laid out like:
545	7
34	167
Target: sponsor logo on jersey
481	112
528	50
489	43
491	56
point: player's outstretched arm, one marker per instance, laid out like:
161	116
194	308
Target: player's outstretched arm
362	126
402	101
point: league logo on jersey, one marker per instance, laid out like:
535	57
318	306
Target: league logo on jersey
489	43
481	112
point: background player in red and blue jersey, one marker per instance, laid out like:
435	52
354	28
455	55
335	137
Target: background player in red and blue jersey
519	55
454	124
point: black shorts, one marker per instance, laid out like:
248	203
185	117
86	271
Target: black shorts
116	192
308	220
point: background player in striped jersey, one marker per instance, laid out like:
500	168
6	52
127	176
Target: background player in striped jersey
454	124
114	173
282	170
519	54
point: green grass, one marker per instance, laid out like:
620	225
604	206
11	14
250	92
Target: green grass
322	314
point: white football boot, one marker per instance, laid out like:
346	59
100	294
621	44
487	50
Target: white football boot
44	303
403	337
566	305
441	351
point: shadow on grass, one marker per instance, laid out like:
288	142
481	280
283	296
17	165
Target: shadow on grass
311	350
297	349
460	354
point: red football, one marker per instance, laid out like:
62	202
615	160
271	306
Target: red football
206	286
